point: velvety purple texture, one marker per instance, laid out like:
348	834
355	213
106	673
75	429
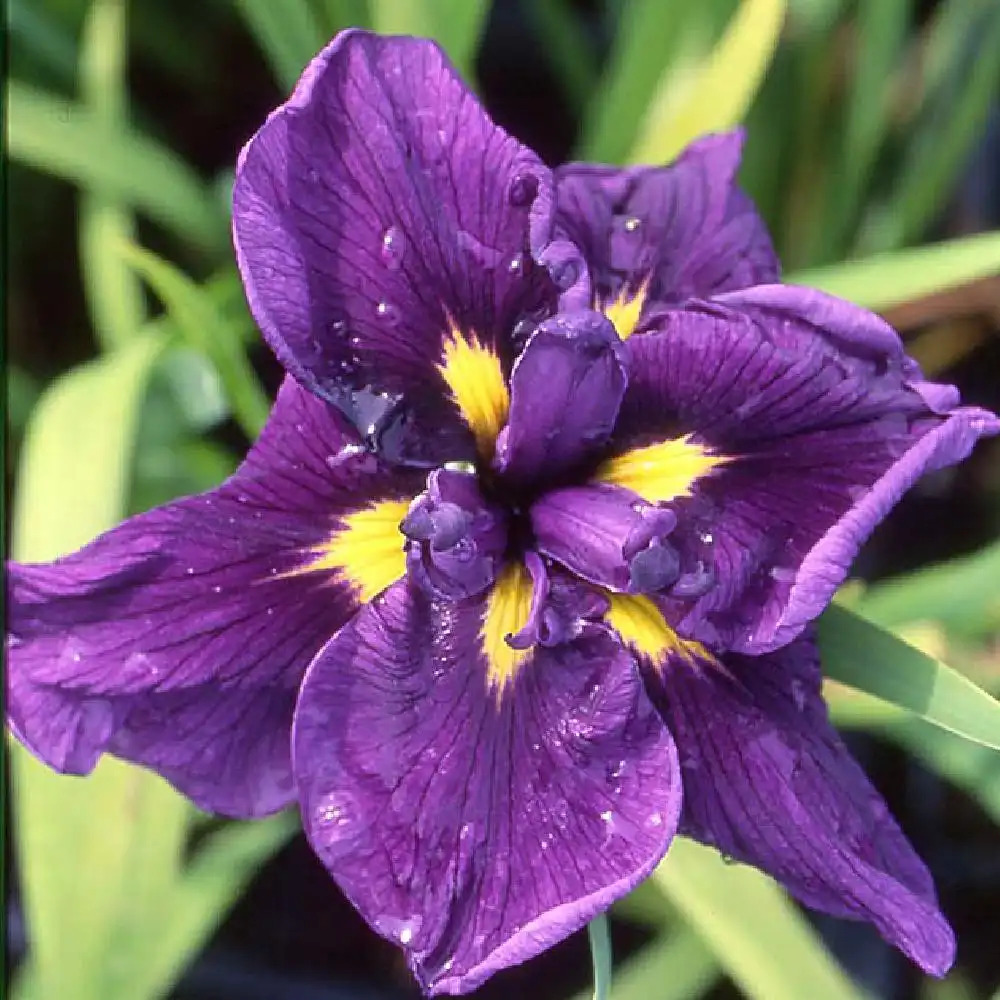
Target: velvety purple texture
768	781
457	538
565	391
825	423
685	229
608	536
178	640
471	829
375	210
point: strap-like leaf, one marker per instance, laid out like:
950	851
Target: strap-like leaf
864	656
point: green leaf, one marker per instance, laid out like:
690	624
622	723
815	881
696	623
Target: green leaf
652	39
889	279
339	14
677	966
457	25
287	33
205	328
962	594
565	44
880	31
716	95
942	146
754	930
22	391
864	656
97	858
33	29
218	874
599	938
114	295
89	849
70	141
76	457
973	768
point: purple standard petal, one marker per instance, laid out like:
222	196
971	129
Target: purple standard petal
824	423
178	639
565	391
768	781
666	233
477	827
608	536
379	210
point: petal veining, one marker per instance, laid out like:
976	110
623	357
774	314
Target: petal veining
366	550
566	388
178	639
664	234
768	781
824	423
475	833
375	210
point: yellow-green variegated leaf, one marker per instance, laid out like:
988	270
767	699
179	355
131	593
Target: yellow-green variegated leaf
712	95
889	279
755	932
861	655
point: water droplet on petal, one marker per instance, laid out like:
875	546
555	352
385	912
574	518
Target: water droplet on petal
516	264
632	223
388	312
393	247
522	190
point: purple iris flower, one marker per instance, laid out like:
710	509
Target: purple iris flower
518	580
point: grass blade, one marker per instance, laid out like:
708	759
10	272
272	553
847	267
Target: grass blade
287	33
457	25
69	141
719	92
755	932
114	295
205	328
599	938
864	656
889	279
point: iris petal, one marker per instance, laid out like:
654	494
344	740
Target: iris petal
824	423
565	389
178	639
663	234
768	781
472	832
376	211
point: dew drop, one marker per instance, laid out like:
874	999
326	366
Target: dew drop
516	264
522	190
632	223
388	312
393	247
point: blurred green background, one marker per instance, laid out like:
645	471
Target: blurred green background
134	374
